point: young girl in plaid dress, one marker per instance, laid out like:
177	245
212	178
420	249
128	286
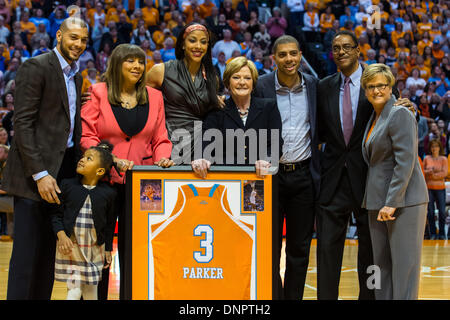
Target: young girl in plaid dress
84	224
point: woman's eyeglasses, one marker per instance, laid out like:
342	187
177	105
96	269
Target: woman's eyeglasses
379	87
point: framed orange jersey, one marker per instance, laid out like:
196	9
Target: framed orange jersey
195	239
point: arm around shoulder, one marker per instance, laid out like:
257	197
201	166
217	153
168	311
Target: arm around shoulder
155	76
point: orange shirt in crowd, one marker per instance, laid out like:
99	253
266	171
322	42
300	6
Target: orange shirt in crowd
395	35
403	70
430	6
436	169
151	16
425	72
206	9
364	48
438	55
359	30
189	12
398	50
419	11
113	15
427	62
422	44
326	22
422	27
15	3
28	26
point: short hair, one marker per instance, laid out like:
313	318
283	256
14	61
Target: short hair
73	22
283	40
346	33
4	147
375	69
113	74
236	65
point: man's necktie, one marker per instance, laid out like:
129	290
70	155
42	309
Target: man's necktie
347	114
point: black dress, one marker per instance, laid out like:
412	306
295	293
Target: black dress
185	102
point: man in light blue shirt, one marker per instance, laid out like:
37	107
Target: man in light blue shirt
298	174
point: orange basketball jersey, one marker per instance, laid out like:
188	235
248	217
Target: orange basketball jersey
202	251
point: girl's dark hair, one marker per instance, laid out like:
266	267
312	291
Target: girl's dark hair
211	75
104	148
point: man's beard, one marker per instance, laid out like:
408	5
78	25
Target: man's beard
65	52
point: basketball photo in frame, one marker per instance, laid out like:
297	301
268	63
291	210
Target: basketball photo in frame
151	195
253	196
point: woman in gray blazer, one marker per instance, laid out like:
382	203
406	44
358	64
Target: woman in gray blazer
396	193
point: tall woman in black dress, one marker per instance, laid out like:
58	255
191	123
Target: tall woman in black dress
188	84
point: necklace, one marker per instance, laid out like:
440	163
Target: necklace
126	105
129	102
243	113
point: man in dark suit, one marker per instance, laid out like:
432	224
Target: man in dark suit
343	112
343	175
298	174
47	129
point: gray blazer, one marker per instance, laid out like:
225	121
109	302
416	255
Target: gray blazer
394	178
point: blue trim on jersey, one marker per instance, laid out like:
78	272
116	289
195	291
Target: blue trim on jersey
193	190
211	192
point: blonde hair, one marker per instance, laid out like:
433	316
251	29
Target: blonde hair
375	69
236	65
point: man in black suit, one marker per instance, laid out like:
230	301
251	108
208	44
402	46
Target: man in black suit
298	175
343	112
47	127
343	175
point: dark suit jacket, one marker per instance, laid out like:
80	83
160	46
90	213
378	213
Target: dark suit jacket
263	114
73	196
41	124
266	88
336	154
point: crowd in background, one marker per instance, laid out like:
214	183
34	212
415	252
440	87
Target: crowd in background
409	36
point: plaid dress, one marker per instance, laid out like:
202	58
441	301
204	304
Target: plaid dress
85	263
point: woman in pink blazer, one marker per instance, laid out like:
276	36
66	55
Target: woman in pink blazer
130	116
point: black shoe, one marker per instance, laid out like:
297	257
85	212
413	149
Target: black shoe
433	237
441	237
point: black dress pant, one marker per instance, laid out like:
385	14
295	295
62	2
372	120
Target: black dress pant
296	201
120	207
32	264
332	222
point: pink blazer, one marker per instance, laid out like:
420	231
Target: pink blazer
145	148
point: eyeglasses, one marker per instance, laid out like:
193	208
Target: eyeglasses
380	87
345	47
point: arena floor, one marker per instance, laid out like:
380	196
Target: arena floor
435	276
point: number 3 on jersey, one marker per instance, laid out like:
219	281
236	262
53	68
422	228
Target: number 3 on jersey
206	243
